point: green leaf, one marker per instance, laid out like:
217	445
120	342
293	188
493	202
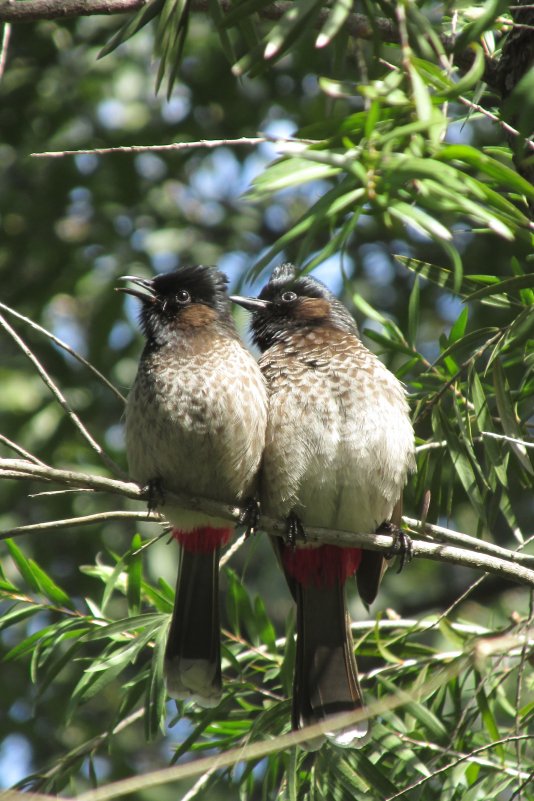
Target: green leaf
418	219
463	466
446	88
506	285
156	694
413	312
290	172
492	449
291	26
375	778
508	416
138	21
24	565
458	329
37	578
490	167
243	10
264	627
423	101
120	628
483	21
17	614
487	716
337	17
219	20
134	571
238	605
432	725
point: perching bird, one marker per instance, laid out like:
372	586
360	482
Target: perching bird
195	423
339	447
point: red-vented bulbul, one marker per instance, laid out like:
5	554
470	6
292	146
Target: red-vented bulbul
195	423
339	447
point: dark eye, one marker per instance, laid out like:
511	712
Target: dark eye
183	296
287	297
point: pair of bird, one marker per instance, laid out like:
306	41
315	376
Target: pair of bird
318	430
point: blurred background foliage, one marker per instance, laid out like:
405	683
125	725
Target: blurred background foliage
411	204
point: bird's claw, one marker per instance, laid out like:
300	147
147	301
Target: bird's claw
294	531
402	544
249	516
155	494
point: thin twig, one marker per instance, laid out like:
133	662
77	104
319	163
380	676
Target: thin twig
493	117
448	535
459	760
61	398
20	450
249	141
85	520
505	438
60	343
520	774
234	547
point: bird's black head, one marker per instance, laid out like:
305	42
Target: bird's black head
185	299
290	302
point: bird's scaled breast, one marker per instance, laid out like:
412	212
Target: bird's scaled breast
339	441
198	423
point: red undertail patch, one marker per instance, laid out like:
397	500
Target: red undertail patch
323	566
202	540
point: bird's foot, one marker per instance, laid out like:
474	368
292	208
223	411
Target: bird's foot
402	544
249	516
294	531
155	494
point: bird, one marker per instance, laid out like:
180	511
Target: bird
195	423
339	448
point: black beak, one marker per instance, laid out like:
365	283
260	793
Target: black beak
251	304
145	283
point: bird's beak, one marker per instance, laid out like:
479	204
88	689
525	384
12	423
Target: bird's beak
145	283
251	304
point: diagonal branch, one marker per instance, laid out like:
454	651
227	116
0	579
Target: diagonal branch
56	392
357	25
385	543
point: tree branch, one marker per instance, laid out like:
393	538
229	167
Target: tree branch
35	10
504	565
357	25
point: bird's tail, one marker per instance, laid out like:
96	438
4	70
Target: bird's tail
193	652
326	675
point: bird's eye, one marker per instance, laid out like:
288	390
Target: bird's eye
183	296
287	297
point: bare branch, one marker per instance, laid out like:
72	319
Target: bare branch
462	758
474	543
20	450
250	141
60	398
60	343
384	543
493	117
35	10
85	520
357	25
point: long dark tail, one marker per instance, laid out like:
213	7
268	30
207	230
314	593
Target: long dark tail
326	675
193	652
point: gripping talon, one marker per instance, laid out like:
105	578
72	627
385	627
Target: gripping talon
249	516
295	530
402	544
156	495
